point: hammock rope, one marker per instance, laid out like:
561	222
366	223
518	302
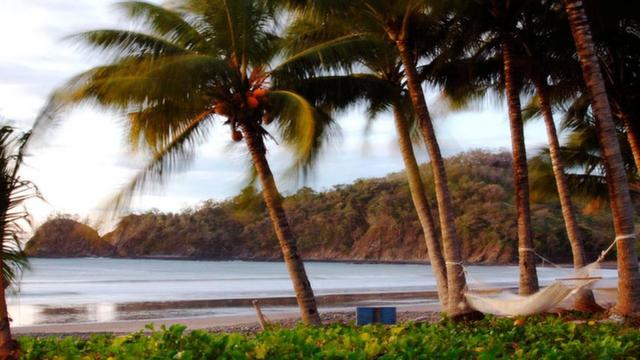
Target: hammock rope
544	259
508	304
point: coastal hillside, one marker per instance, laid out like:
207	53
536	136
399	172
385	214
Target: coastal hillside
61	237
369	220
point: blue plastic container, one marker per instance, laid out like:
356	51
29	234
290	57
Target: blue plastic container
375	315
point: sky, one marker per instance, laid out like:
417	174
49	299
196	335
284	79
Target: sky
84	160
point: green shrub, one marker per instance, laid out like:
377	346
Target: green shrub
492	338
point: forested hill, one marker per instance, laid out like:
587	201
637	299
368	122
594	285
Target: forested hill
371	219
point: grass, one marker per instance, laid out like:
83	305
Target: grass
492	338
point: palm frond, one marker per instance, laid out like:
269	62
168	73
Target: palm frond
339	92
239	29
301	126
14	192
132	84
174	156
166	23
331	55
123	43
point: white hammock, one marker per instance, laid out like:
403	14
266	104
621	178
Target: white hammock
509	304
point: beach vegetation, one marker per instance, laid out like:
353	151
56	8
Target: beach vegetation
492	338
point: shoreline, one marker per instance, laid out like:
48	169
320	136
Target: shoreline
322	300
605	264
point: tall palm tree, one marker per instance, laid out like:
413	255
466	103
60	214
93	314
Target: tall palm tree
545	53
195	65
14	191
507	14
584	300
528	276
621	206
485	33
419	198
392	21
378	83
399	32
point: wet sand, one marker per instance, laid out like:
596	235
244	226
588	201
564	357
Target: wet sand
277	309
237	323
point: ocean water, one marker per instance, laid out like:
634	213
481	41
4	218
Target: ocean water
96	289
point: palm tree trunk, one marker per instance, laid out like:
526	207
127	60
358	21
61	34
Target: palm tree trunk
451	242
421	204
526	258
6	342
620	200
584	300
302	287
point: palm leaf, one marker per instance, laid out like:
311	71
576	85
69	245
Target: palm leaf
176	155
124	43
300	125
131	84
330	55
166	23
14	191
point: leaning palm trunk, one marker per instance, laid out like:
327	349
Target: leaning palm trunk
421	204
584	300
526	257
620	200
451	242
304	293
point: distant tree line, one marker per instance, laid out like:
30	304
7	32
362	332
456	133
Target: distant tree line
371	220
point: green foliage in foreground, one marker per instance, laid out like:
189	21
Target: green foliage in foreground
492	338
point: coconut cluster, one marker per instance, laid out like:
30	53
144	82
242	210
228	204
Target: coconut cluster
252	100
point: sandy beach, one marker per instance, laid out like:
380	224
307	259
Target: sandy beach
236	323
239	323
337	307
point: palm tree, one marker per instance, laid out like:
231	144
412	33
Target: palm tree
14	192
584	300
393	21
452	243
381	86
485	38
203	62
419	198
507	15
621	206
528	276
545	53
